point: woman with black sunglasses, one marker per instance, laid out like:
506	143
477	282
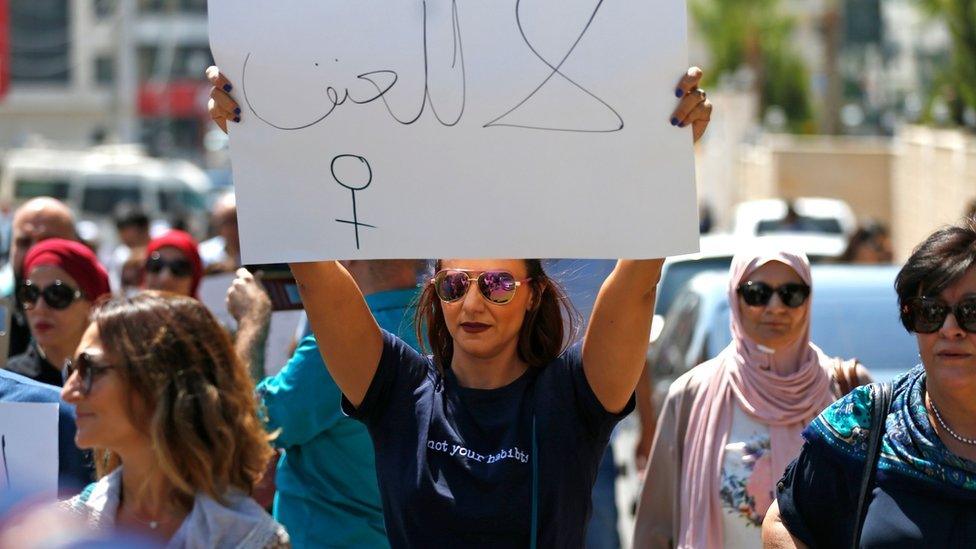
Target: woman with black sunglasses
173	264
730	426
494	441
920	483
62	280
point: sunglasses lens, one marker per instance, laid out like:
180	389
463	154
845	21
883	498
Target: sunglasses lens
966	315
756	294
794	295
497	286
451	285
180	268
928	315
154	265
27	294
59	296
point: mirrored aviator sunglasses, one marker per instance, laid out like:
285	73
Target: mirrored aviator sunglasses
759	294
497	287
57	295
927	315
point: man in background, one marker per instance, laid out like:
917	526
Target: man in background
36	220
222	253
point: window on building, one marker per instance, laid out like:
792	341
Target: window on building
105	8
172	6
40	42
104	69
31	187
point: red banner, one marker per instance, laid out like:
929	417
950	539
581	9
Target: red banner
4	48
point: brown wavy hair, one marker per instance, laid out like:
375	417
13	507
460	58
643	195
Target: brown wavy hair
548	328
191	393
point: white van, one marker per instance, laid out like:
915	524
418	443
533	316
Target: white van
95	181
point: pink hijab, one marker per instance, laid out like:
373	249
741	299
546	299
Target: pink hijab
782	389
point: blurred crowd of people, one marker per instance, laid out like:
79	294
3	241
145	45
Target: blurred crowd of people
465	410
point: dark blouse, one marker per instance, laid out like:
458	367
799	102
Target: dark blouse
31	364
818	503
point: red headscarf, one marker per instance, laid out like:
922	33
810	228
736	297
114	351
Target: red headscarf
185	243
74	258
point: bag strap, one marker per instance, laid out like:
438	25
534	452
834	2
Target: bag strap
879	412
533	536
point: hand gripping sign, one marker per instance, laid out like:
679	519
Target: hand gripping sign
455	128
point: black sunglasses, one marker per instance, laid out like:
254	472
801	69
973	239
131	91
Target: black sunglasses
57	295
179	267
757	294
88	369
926	315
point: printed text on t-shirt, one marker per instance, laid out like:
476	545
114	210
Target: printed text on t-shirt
458	450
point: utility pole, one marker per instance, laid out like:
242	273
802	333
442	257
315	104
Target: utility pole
126	73
833	34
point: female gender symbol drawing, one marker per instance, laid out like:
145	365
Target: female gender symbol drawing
364	179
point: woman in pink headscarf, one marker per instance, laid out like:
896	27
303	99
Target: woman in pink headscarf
731	425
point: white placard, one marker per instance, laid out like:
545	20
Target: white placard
281	333
456	128
29	448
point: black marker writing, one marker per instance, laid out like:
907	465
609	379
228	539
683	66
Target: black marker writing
383	81
365	178
616	125
3	450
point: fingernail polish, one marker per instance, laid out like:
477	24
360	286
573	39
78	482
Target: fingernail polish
674	121
228	87
237	119
678	92
237	110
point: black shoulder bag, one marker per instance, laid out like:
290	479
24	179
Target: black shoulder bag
879	411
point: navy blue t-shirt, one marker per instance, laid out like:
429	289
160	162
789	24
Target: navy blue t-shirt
454	464
818	504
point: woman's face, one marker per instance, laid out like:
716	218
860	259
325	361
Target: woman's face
170	259
101	416
481	329
56	327
774	325
949	355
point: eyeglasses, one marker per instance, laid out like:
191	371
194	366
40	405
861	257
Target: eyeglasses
88	369
757	294
926	315
180	268
57	295
497	287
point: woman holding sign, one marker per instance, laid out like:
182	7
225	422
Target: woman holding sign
495	439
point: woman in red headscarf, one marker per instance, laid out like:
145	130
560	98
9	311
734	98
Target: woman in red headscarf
173	264
62	279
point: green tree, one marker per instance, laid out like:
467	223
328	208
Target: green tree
959	80
758	35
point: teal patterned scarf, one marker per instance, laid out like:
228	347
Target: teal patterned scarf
910	447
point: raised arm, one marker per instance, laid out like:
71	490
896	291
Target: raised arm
347	334
616	339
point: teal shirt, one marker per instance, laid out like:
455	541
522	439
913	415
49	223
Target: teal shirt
327	493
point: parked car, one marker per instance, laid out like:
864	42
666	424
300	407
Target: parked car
854	314
94	181
828	216
716	255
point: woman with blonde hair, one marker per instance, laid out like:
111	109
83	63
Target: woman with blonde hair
169	410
